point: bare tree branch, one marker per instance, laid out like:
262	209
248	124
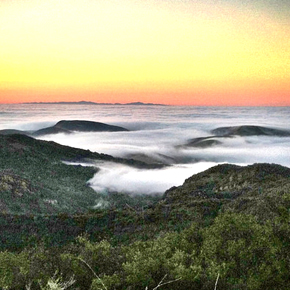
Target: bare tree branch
95	274
217	278
165	283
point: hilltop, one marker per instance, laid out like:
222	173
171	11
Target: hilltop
67	127
257	189
222	133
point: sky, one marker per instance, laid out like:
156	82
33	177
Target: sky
176	52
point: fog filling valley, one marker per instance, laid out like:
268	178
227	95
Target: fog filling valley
157	134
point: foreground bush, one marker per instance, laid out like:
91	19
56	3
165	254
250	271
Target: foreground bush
242	252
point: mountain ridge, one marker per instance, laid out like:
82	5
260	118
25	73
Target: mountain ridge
25	160
67	127
95	103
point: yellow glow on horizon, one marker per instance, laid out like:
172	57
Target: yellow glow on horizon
132	47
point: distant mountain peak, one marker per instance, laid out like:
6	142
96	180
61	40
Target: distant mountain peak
94	103
68	126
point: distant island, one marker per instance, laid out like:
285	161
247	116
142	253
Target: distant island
94	103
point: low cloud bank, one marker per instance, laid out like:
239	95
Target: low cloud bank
126	179
161	144
245	150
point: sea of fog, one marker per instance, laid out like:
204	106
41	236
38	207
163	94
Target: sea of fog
155	134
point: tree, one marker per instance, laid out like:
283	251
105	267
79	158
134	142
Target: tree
244	253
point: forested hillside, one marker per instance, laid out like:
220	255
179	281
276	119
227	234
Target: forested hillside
227	227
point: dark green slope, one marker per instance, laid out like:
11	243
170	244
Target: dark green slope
34	179
259	189
227	227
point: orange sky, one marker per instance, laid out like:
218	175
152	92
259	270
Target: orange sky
173	52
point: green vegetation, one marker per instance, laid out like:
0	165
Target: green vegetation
243	252
227	227
34	179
